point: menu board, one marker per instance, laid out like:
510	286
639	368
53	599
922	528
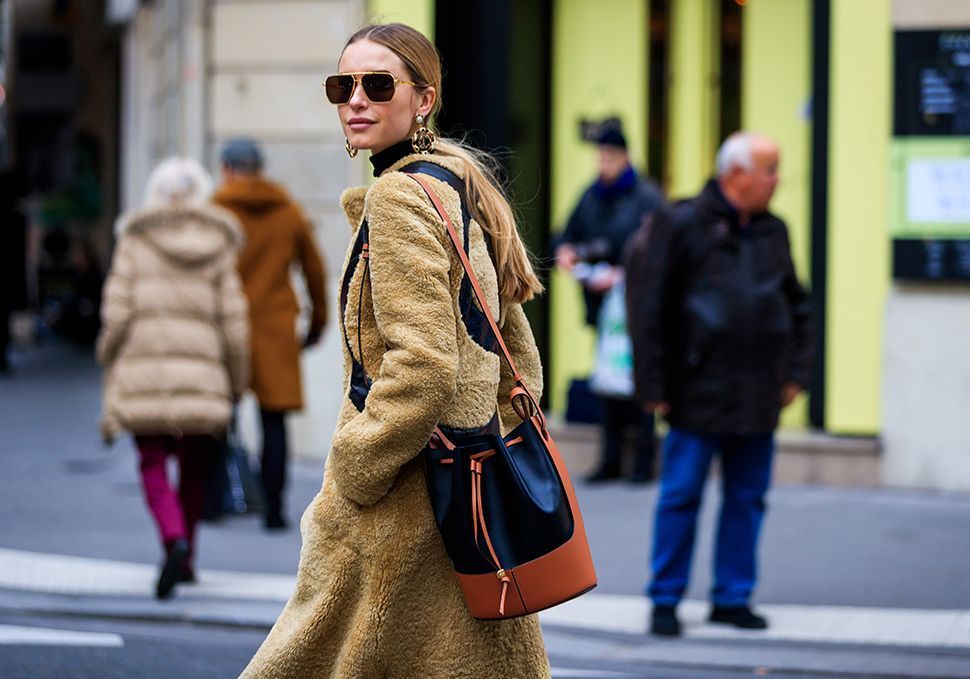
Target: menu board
933	259
930	156
932	96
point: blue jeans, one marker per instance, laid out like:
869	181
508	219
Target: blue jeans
745	475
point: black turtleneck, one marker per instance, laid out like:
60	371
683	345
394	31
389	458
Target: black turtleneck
384	159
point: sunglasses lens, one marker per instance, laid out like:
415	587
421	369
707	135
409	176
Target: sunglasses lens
379	87
339	88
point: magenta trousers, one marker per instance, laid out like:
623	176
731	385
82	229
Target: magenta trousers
176	513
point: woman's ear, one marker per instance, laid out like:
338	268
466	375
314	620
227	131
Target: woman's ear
426	100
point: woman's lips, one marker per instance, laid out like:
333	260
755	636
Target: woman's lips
359	124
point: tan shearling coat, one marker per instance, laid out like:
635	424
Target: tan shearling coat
175	333
376	596
278	236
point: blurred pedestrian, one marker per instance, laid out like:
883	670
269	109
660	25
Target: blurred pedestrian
722	342
278	236
174	345
376	595
591	250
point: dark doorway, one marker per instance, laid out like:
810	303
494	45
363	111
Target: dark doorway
497	90
729	76
658	32
65	129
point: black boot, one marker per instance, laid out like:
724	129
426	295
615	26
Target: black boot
177	552
739	616
664	622
605	472
275	522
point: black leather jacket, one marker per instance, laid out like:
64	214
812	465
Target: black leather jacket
718	319
601	224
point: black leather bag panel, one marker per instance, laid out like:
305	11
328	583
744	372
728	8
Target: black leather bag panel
525	505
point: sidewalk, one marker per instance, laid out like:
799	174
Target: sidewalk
594	631
854	580
256	599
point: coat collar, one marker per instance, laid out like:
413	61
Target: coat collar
352	199
384	159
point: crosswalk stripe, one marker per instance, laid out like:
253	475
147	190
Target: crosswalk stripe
13	635
798	623
565	673
83	576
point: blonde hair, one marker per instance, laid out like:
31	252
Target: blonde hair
181	182
487	200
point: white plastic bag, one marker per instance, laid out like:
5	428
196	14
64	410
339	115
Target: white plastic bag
613	371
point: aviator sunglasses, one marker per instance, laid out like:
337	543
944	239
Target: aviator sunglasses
379	86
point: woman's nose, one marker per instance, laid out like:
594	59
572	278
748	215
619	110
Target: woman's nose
357	98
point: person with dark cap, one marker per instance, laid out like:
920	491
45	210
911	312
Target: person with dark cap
278	235
591	250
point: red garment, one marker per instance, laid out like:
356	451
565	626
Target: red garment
176	515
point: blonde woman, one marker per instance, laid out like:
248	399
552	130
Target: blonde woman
376	595
174	346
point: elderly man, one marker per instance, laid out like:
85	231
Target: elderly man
278	238
722	342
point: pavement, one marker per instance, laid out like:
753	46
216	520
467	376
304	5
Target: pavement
855	581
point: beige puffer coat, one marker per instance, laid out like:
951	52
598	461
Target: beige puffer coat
175	331
376	596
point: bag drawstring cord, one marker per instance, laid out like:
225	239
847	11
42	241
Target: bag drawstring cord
478	521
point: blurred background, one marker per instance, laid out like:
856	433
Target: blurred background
869	101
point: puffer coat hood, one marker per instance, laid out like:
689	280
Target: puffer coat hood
175	334
189	236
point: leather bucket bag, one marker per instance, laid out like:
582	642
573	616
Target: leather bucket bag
505	506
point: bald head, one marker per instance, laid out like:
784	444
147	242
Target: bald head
747	171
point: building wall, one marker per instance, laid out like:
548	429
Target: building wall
858	241
266	64
599	69
693	95
163	84
925	393
418	14
775	100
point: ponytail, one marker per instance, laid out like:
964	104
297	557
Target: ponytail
487	203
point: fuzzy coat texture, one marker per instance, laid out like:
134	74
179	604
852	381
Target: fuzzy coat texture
376	596
174	337
278	236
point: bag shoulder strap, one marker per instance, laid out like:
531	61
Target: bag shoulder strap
520	393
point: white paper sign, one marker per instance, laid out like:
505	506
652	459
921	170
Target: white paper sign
938	191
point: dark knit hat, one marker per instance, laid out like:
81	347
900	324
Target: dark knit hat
242	154
611	135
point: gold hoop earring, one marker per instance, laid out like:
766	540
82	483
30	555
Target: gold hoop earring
351	150
423	139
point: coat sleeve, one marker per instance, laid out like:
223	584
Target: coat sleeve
315	274
234	322
116	304
803	336
653	273
521	344
415	317
573	231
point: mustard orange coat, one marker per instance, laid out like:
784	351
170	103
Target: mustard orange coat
278	235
